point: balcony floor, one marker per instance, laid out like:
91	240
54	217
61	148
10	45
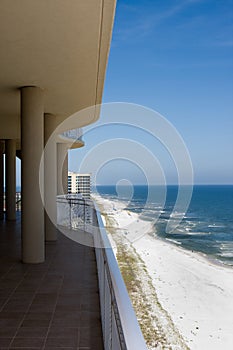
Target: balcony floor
54	305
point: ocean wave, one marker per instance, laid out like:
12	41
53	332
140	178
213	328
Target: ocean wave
177	214
226	255
226	246
173	241
192	233
207	226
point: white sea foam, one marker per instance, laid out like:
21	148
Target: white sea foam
226	254
196	233
177	214
173	241
227	245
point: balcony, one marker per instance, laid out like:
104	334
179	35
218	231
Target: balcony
76	299
72	137
75	134
50	305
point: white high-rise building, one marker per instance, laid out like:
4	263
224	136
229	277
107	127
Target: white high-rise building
72	182
79	183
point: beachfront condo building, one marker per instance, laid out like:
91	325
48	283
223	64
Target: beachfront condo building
55	291
80	184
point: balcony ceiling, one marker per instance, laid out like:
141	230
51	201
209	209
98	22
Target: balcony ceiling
59	45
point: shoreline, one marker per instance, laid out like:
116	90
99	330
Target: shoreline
193	290
204	257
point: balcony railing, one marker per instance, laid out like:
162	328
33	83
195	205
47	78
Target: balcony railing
17	201
119	323
74	134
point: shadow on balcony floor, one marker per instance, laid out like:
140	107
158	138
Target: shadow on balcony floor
54	305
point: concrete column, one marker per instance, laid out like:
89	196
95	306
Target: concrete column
32	144
65	173
62	168
50	178
10	146
1	179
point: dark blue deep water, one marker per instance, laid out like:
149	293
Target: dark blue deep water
207	226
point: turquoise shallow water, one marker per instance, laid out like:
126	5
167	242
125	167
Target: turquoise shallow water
207	226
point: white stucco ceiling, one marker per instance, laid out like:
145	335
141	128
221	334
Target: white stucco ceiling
59	45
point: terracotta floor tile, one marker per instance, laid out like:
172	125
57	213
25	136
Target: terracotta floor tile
63	332
27	342
7	331
38	316
35	323
5	342
32	332
41	308
62	342
59	348
9	322
11	315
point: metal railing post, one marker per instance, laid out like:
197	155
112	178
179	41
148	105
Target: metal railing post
70	204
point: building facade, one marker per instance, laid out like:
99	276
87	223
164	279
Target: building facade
79	183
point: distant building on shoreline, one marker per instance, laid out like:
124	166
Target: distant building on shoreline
79	183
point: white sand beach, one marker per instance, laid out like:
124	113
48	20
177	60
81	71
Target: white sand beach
195	293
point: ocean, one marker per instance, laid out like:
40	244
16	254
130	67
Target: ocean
207	226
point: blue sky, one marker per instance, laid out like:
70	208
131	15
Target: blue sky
176	57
